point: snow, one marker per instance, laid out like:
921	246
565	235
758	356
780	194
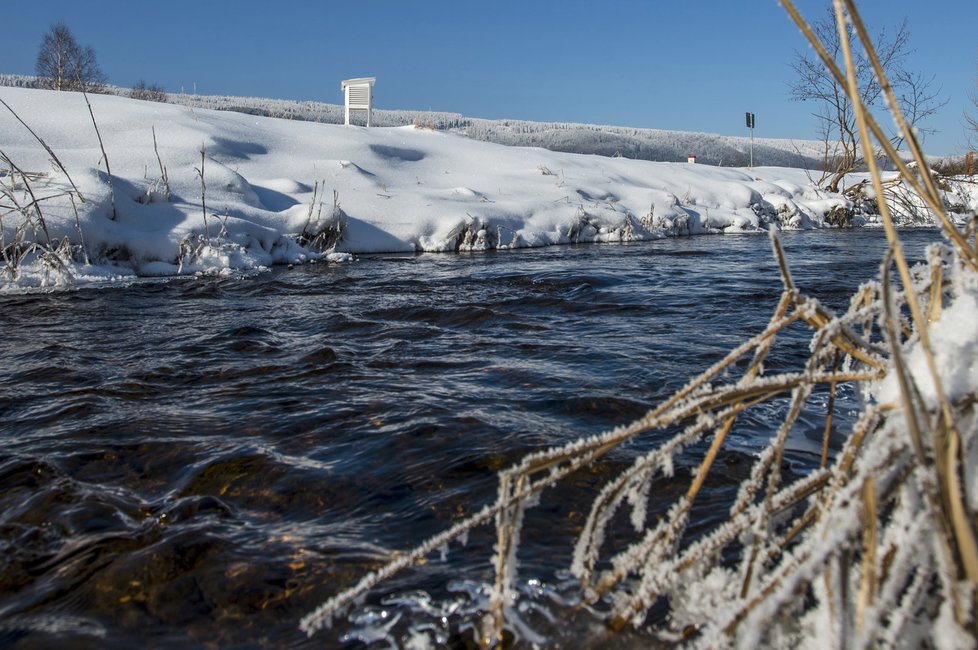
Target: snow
605	140
402	189
243	192
955	348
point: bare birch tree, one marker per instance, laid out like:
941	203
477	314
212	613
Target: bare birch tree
63	64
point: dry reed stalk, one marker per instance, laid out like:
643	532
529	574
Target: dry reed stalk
81	236
203	190
931	195
668	534
935	298
936	206
33	205
915	419
312	203
867	585
105	157
850	507
163	175
799	399
509	521
829	410
735	398
54	157
964	535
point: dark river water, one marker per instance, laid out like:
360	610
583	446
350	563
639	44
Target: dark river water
200	462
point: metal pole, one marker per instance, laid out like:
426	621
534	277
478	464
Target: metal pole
750	126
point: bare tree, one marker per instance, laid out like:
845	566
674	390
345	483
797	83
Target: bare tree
834	109
63	64
151	93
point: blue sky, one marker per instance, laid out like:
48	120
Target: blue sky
671	64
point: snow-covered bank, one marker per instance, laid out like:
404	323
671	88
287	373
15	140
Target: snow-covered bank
220	190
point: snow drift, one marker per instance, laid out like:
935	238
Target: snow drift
194	190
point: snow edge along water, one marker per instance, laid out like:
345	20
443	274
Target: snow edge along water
198	191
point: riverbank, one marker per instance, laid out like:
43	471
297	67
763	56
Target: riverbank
201	191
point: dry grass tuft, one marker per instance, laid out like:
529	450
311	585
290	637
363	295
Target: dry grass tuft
876	547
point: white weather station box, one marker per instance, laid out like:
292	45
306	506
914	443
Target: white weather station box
359	95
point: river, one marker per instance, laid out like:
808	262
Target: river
200	462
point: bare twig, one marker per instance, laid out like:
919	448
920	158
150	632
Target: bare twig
203	190
163	176
105	156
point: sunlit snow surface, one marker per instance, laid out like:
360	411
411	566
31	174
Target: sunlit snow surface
955	348
267	180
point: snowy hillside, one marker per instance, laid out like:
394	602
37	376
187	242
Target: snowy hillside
225	190
640	144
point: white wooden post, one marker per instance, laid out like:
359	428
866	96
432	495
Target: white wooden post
358	96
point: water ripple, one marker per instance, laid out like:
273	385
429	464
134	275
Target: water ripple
203	461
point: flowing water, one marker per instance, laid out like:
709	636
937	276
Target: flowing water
202	461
